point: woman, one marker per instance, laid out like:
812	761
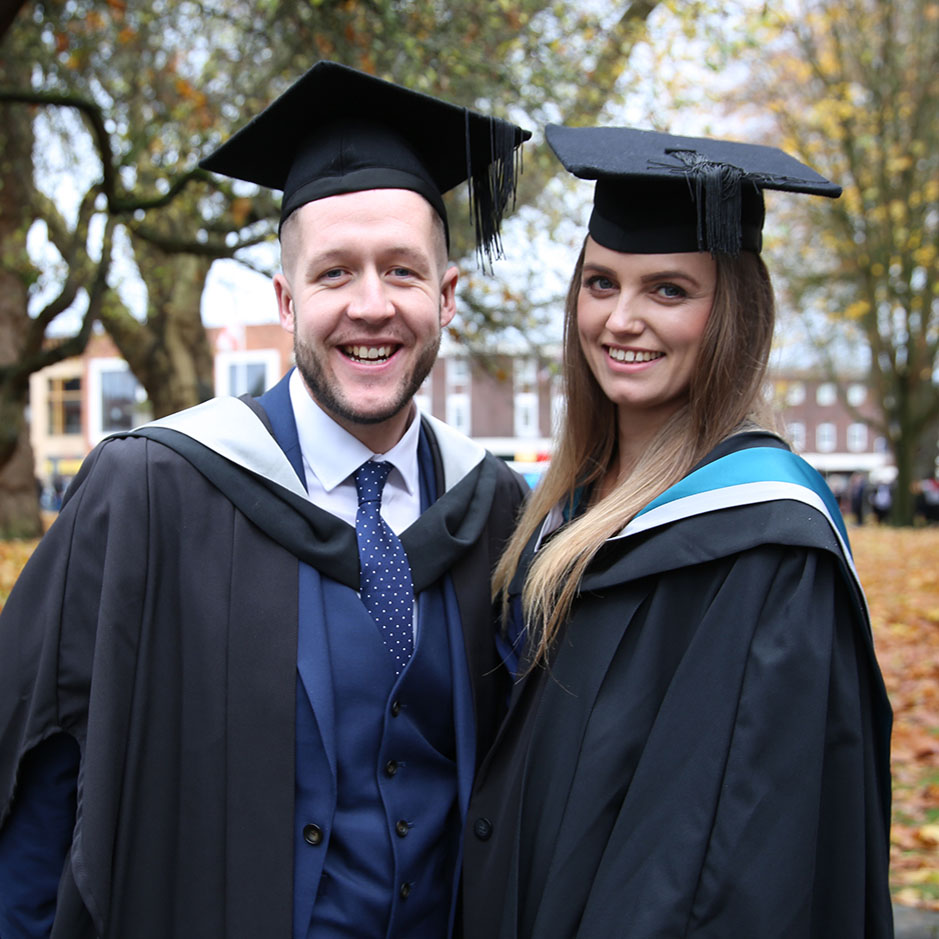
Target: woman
698	742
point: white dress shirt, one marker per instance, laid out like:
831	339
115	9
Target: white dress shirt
331	455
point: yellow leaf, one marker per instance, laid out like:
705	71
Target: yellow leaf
928	834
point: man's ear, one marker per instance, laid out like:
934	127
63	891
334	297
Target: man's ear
448	295
285	308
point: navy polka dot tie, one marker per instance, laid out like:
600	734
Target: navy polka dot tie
385	580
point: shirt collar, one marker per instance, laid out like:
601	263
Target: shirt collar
333	454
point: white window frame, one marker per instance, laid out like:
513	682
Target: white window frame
857	437
458	372
525	372
459	412
525	414
96	368
269	358
796	431
826	437
795	394
424	398
857	394
826	394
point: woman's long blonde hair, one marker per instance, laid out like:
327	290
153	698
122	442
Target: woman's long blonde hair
725	391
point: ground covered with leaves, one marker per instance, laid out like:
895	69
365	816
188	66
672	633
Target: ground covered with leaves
900	572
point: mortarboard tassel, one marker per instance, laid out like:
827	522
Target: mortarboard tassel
717	189
492	189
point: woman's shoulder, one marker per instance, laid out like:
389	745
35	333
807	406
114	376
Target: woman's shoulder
747	437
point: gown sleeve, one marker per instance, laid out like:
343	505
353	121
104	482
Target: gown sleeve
47	645
35	838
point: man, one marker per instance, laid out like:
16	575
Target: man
273	704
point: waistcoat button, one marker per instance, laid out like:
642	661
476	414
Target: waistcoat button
395	707
482	829
391	767
402	828
405	891
313	834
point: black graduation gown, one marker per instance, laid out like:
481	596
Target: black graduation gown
156	624
707	756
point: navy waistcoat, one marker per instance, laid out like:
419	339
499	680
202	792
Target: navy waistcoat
392	848
377	832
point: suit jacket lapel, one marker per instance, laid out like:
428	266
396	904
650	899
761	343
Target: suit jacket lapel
276	403
313	662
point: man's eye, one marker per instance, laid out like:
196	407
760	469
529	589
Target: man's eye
401	271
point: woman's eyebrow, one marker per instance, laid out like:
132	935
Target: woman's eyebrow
669	275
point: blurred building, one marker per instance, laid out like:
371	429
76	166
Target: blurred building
828	424
508	401
77	402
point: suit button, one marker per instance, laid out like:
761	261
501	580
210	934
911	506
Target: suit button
395	707
482	829
391	767
313	834
402	828
404	891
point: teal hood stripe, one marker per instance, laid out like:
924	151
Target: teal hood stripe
757	464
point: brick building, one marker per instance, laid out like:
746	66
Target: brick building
508	402
830	427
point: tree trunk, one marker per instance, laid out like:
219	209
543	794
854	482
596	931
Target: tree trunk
19	494
19	502
169	353
904	454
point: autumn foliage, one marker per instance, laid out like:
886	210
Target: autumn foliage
901	577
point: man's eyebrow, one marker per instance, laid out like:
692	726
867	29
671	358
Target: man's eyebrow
415	256
326	258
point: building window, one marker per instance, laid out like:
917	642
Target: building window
458	412
424	397
857	395
857	437
65	406
797	435
795	393
525	374
525	380
114	398
247	372
826	438
526	414
826	394
458	372
118	398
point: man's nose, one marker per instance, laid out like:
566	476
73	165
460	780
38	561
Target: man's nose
370	299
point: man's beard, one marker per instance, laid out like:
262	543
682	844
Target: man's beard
310	366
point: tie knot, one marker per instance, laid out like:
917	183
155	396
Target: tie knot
370	479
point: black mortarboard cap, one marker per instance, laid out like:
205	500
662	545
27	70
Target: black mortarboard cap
658	194
339	130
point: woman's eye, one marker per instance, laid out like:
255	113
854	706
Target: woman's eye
671	291
599	282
